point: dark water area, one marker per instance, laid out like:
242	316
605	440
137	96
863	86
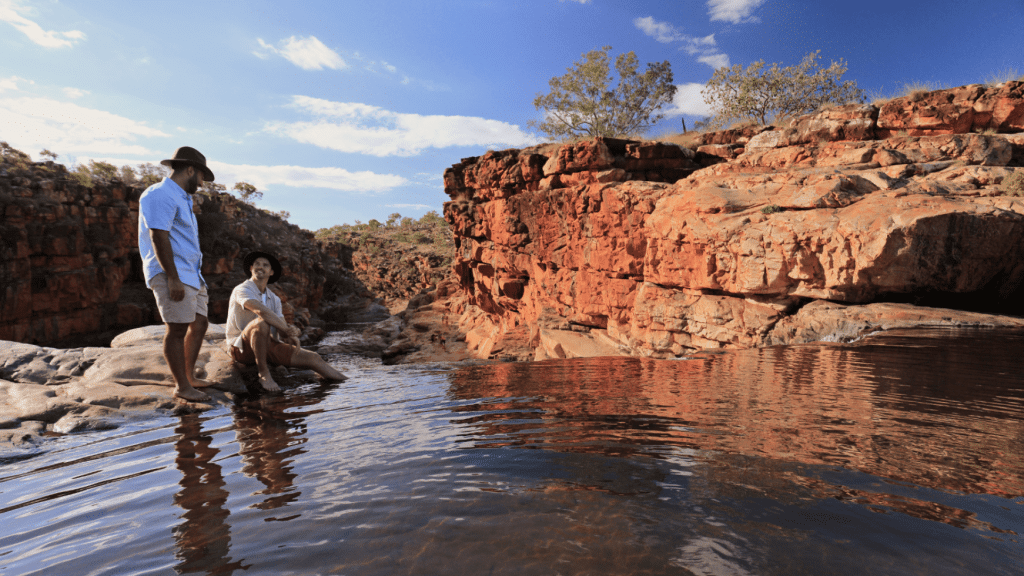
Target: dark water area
903	454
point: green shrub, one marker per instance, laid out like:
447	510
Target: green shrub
14	158
761	93
583	101
771	209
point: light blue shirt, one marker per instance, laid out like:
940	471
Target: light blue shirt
165	206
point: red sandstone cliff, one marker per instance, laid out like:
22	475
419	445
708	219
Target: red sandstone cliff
761	236
70	271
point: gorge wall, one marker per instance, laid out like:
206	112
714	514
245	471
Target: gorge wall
825	227
70	273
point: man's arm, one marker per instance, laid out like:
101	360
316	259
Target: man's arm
271	317
165	256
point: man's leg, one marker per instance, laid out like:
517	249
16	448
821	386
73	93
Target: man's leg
303	358
257	333
174	354
193	344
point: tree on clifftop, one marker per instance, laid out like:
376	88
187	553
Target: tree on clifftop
582	103
247	192
760	94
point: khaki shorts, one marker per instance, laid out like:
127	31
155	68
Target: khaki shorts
183	311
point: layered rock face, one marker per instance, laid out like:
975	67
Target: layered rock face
65	254
71	273
650	249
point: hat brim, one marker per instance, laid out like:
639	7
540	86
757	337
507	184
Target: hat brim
207	173
275	265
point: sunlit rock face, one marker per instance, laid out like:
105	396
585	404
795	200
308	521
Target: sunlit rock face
651	249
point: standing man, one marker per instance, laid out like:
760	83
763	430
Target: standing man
172	261
255	322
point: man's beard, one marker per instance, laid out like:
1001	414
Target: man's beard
193	183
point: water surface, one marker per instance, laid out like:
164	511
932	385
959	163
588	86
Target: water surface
901	455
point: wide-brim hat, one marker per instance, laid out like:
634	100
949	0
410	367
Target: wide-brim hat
274	264
191	156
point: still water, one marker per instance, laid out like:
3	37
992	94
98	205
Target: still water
903	454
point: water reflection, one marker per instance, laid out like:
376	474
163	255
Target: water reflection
270	433
204	537
895	408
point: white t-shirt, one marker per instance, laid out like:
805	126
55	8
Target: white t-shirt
239	316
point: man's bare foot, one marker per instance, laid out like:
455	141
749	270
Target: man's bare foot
329	373
268	383
191	395
200	383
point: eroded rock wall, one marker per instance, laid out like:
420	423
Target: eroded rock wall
652	249
70	273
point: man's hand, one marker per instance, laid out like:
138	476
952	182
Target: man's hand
293	335
176	288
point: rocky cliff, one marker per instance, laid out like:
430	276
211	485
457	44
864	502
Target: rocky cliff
70	273
824	227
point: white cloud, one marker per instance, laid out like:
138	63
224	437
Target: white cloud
74	92
412	206
661	31
716	61
734	11
306	53
29	123
11	83
365	129
700	45
14	14
688	100
704	47
265	177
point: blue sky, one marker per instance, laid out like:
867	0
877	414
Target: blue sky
342	111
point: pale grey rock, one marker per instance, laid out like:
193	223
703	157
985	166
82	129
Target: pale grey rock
154	335
138	365
92	418
40	365
22	439
118	396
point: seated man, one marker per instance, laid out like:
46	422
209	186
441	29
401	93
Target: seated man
255	324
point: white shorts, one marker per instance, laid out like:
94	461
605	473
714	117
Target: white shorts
183	311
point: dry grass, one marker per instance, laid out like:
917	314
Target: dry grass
1013	185
915	90
912	90
740	124
1001	76
691	139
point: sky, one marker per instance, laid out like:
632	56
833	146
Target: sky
343	111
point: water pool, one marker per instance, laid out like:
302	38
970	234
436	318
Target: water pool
903	454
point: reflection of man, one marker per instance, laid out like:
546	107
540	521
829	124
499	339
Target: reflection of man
171	262
256	323
203	537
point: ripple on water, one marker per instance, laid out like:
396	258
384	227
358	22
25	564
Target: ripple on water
899	455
